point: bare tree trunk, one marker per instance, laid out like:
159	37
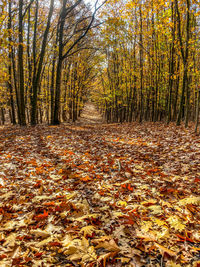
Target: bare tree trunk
184	54
197	112
141	67
13	120
171	67
21	65
37	73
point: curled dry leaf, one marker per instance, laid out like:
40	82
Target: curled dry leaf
107	243
166	250
40	233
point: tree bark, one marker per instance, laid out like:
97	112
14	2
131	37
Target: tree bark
37	74
21	65
13	120
184	53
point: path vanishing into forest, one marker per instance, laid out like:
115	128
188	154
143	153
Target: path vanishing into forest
90	115
94	194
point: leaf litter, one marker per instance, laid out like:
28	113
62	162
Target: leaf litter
99	195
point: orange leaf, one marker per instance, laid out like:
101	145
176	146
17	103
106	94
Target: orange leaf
38	254
49	203
130	188
166	250
85	179
55	244
42	216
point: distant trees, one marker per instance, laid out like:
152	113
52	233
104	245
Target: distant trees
151	65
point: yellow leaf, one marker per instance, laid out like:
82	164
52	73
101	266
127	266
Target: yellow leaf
104	258
150	236
173	264
146	225
87	230
44	242
156	209
166	250
93	215
66	241
40	233
107	243
122	203
10	240
190	200
163	233
176	223
158	222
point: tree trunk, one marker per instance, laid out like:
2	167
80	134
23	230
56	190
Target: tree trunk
197	112
21	65
141	67
13	120
171	67
184	54
37	73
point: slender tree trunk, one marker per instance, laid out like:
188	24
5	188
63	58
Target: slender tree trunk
21	65
171	67
197	112
13	120
141	66
59	65
2	116
184	54
52	86
16	86
37	73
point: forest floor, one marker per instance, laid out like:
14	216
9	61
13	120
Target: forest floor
94	194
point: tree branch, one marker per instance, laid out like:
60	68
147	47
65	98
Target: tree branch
87	29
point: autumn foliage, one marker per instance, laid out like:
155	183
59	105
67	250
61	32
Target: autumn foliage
99	195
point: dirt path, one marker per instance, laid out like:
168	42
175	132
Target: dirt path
90	115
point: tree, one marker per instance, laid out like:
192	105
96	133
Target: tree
77	35
38	67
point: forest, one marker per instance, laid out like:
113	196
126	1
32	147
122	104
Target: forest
99	133
136	61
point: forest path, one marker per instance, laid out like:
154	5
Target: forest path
90	115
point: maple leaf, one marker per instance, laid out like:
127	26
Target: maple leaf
42	216
87	230
158	222
176	223
156	209
80	249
